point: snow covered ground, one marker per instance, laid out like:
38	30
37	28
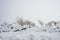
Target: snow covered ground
34	33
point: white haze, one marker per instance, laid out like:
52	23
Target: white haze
46	10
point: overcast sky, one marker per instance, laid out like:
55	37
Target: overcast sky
45	10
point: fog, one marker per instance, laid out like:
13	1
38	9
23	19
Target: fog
45	10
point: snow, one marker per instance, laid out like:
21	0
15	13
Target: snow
14	31
33	33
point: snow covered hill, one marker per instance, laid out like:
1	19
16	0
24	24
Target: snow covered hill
34	33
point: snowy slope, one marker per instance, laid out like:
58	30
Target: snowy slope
34	33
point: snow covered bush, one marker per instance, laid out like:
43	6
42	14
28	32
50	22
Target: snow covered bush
4	27
7	27
52	26
22	22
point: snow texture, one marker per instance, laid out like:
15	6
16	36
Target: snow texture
34	33
18	32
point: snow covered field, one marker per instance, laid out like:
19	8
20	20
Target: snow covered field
27	30
34	33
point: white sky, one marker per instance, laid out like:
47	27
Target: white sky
45	10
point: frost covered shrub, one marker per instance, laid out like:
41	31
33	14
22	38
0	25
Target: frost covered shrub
6	27
22	22
51	24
